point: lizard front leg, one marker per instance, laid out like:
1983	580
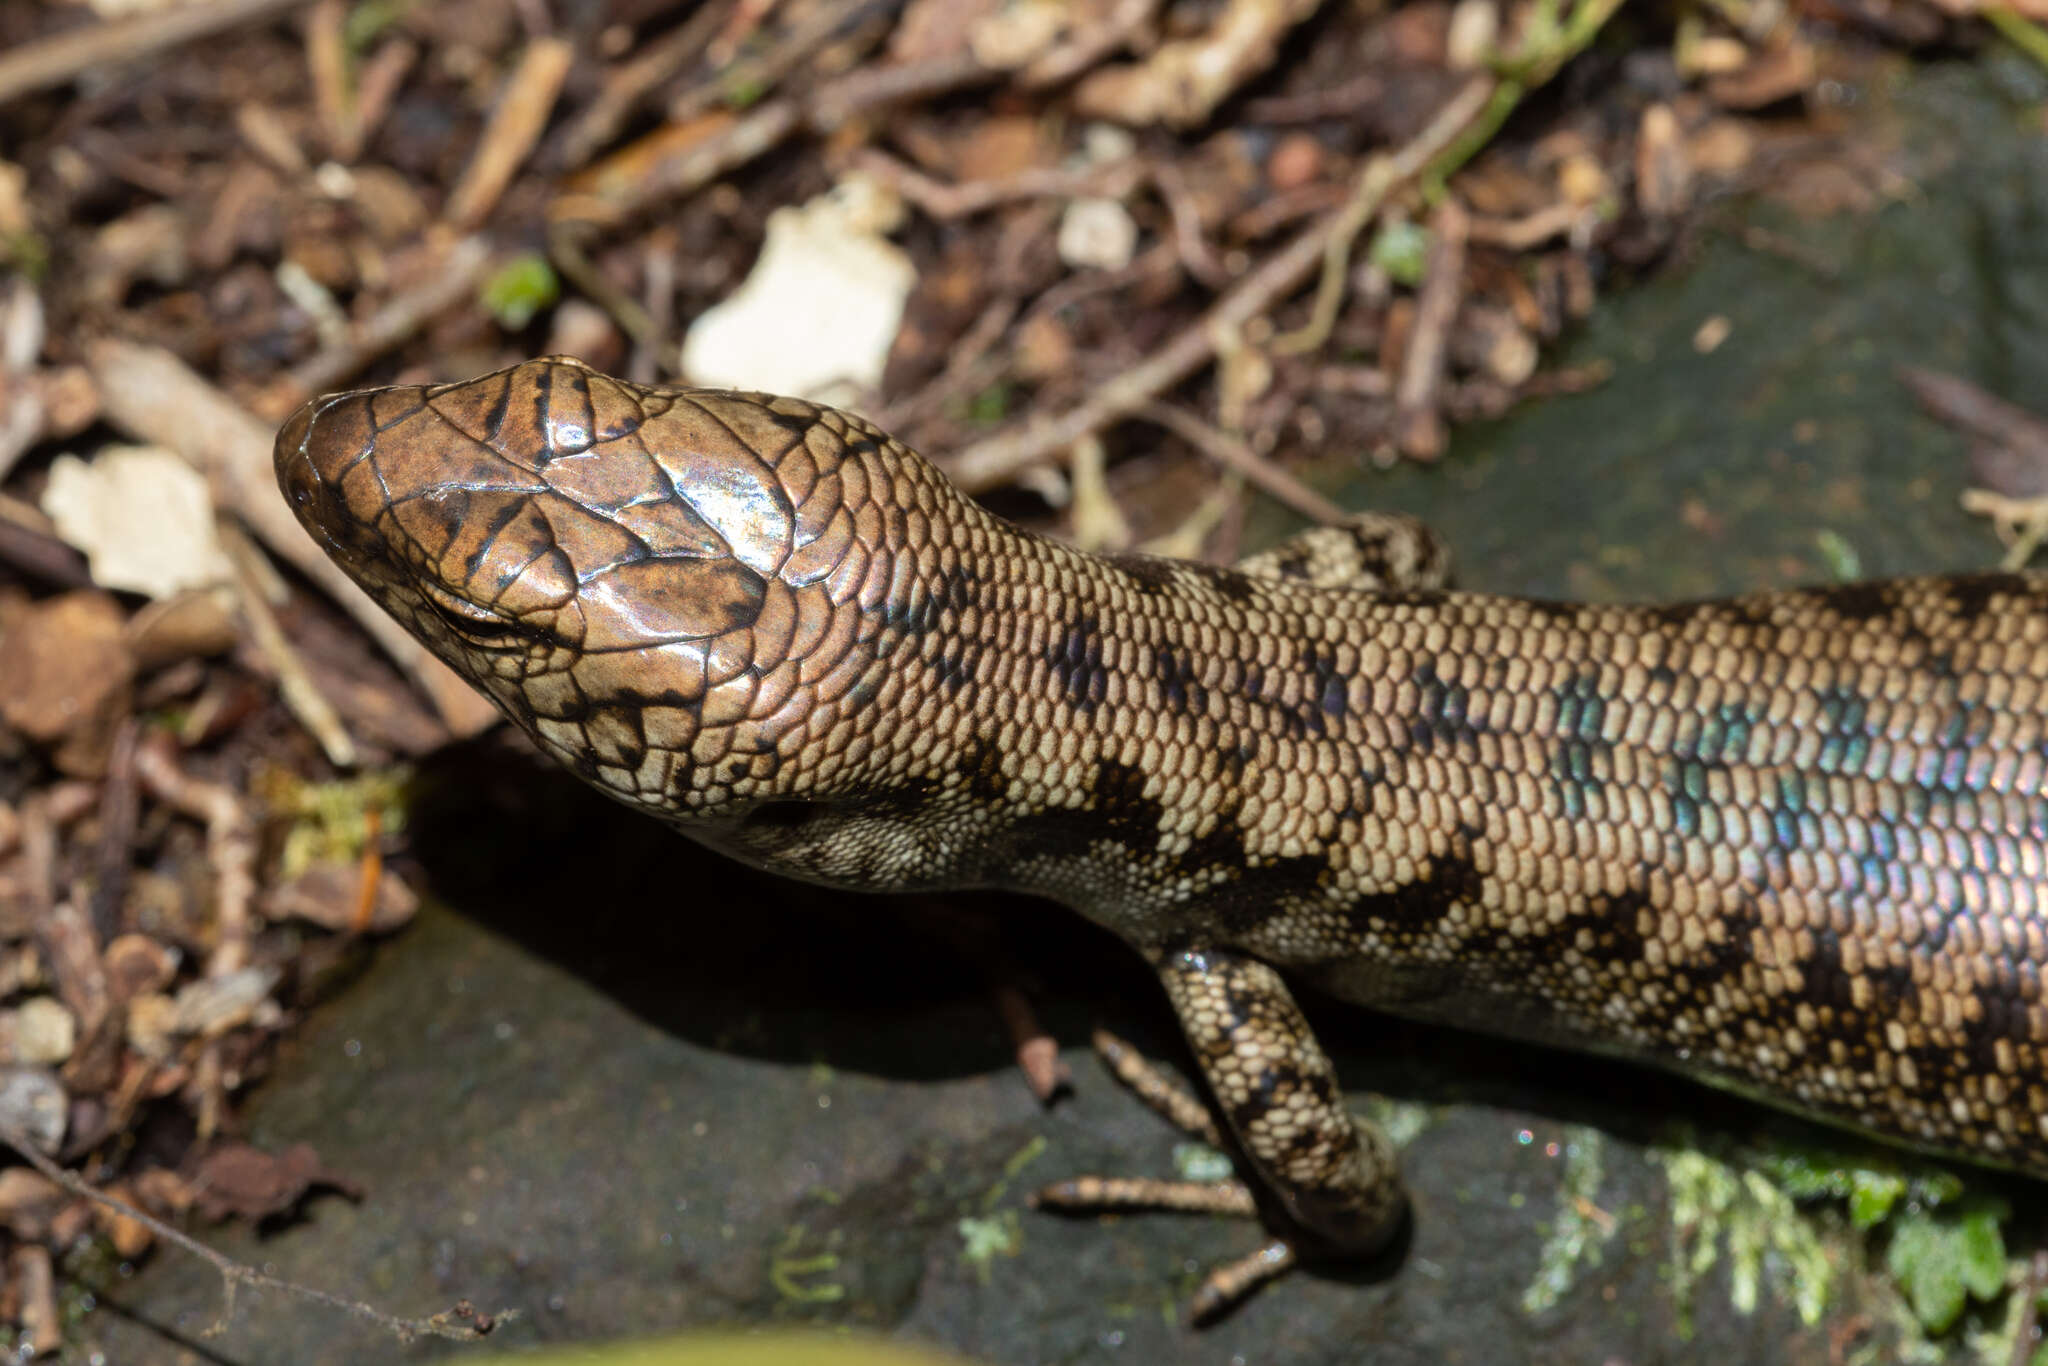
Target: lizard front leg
1332	1174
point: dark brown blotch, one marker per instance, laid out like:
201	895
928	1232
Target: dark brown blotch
1256	888
1415	597
1148	573
1417	907
1328	686
1613	931
1554	610
1856	601
1179	683
1293	563
1676	613
1228	583
1076	660
1127	815
981	765
1970	594
902	799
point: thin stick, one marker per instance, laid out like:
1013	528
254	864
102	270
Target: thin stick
1545	47
2028	37
1000	458
1108	180
460	1323
628	85
1234	454
454	281
792	49
295	685
55	60
968	368
1418	416
154	396
377	86
327	67
1195	254
642	174
513	128
231	854
1382	174
1080	51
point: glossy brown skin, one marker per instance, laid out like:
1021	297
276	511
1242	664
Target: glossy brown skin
1792	843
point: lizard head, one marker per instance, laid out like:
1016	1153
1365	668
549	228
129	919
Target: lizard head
678	593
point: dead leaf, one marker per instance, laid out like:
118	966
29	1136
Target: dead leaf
143	517
135	964
2009	444
828	263
240	1180
33	1103
1182	82
2031	9
65	677
192	625
130	1236
212	1006
28	1199
327	895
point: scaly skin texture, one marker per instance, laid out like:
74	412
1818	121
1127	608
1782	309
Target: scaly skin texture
1792	843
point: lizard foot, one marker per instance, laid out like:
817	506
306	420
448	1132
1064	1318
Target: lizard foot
1226	1284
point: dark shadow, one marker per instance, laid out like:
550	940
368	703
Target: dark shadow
721	954
694	943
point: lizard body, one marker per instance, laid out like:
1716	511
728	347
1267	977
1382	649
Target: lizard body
1793	842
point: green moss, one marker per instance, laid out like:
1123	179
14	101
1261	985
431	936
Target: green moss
333	822
1943	1258
1580	1228
1200	1162
367	21
984	1239
1942	1244
990	405
1840	557
1720	1211
28	253
803	1279
1401	249
1013	1167
520	289
1401	1121
745	90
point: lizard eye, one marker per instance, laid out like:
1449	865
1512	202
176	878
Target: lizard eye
478	625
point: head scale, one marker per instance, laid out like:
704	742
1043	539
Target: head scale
675	592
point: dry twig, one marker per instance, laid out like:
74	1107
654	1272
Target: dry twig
1000	458
1418	416
55	60
453	281
1079	51
231	853
462	1323
1234	454
295	686
628	86
515	125
152	395
1106	180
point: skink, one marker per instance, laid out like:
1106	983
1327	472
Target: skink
1793	843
